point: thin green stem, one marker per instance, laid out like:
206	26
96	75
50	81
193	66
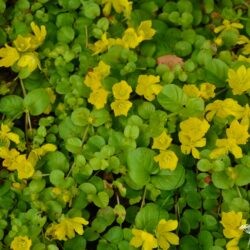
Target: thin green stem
27	117
238	191
85	134
144	197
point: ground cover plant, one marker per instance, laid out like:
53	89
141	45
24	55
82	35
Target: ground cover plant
124	124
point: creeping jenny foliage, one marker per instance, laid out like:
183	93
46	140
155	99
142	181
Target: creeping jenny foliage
124	124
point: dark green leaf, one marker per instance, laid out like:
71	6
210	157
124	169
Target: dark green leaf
12	106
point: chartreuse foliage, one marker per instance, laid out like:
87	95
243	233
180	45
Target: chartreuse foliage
124	124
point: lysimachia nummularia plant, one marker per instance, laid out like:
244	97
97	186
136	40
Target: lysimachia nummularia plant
124	124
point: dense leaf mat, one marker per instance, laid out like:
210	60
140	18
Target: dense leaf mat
124	124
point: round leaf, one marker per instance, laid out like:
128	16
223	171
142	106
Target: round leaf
148	217
172	98
140	165
37	101
11	106
169	180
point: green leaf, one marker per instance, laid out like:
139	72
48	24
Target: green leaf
80	116
55	160
73	145
193	217
101	199
194	200
222	180
216	72
67	129
114	235
188	242
131	131
140	165
169	180
239	205
78	242
37	101
90	9
209	222
149	216
243	175
205	239
56	177
193	107
88	188
12	106
99	116
172	98
103	245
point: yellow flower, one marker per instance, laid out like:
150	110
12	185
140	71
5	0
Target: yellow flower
242	58
162	142
145	31
121	107
29	60
24	167
239	80
22	43
144	239
39	35
63	194
238	132
98	98
194	127
191	90
121	90
102	69
9	157
243	40
223	109
131	39
207	90
6	136
218	41
119	6
100	45
66	228
227	25
93	80
189	146
231	222
147	86
164	235
9	56
245	115
21	243
224	146
36	153
191	135
167	159
233	244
